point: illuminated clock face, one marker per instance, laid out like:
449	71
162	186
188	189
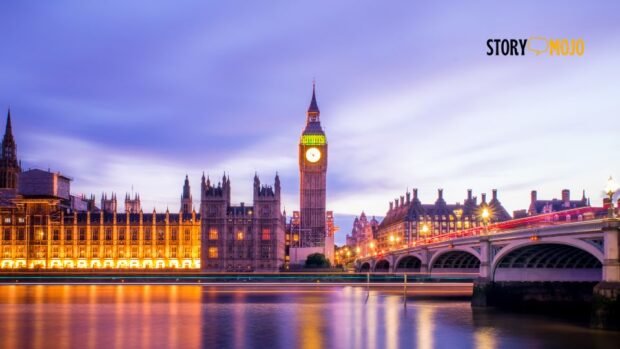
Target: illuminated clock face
313	154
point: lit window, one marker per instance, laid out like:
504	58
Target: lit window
266	234
212	252
239	235
7	220
213	234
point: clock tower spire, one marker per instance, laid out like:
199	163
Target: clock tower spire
313	109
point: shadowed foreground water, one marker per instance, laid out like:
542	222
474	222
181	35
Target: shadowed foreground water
163	316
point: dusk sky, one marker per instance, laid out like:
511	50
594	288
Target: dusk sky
118	94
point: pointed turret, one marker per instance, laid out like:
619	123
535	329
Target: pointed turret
8	133
9	166
186	197
276	185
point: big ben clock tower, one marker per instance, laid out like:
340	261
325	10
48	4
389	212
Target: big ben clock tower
312	180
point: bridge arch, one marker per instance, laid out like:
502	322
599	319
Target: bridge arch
382	266
455	260
365	267
548	260
411	263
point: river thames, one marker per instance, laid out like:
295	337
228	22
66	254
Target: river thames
187	316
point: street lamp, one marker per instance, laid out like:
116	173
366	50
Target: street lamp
424	229
610	190
486	214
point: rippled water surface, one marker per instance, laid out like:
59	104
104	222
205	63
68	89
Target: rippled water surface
163	316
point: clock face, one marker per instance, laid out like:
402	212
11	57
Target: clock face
313	154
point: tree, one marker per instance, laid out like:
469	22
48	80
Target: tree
317	260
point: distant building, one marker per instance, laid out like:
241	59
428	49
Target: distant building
37	182
408	220
363	231
554	205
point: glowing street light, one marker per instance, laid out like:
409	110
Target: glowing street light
485	215
424	229
610	190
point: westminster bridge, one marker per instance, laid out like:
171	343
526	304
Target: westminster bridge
576	245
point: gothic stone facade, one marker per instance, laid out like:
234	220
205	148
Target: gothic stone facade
241	238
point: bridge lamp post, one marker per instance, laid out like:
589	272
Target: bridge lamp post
485	215
610	190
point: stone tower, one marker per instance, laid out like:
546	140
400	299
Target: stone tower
108	205
132	205
186	198
9	166
312	175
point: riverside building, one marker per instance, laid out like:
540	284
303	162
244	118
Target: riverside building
44	226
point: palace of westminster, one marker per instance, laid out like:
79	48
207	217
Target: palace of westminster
44	226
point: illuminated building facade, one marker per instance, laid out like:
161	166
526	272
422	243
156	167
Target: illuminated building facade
39	233
408	220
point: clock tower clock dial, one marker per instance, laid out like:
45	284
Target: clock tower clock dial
313	154
312	175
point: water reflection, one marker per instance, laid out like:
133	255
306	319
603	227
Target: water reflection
131	316
425	328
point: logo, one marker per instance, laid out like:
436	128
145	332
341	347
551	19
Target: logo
537	45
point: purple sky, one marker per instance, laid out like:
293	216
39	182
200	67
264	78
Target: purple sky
120	93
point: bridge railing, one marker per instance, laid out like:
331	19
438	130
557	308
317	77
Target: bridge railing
541	220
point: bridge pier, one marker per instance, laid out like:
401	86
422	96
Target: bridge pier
606	300
483	286
425	262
